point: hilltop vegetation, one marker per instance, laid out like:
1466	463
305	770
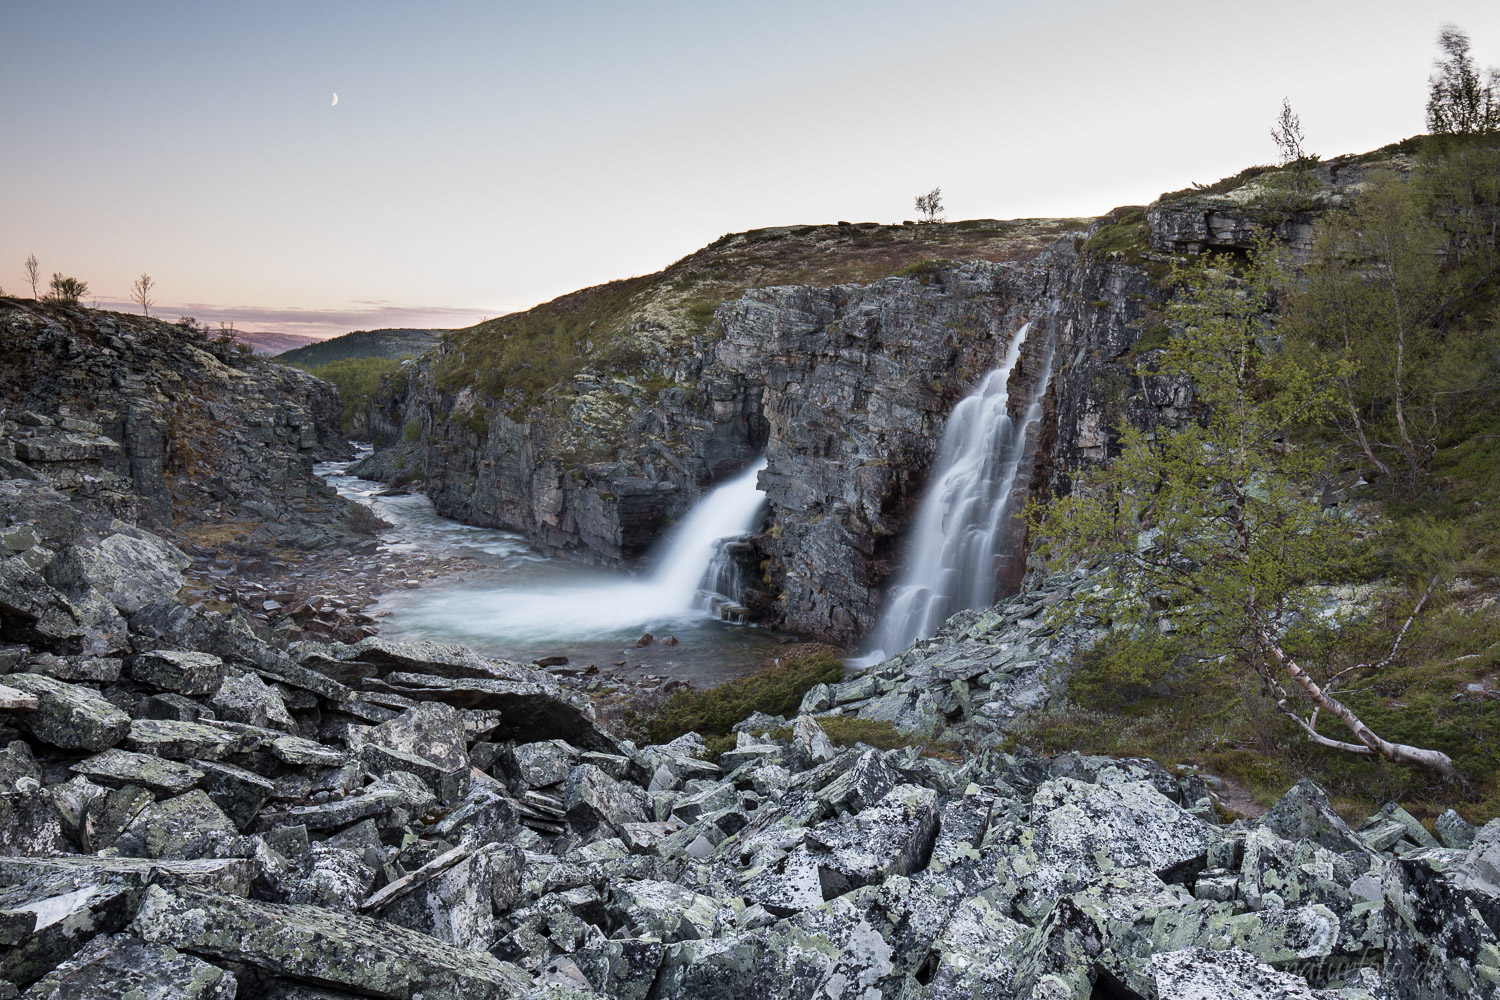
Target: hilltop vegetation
624	327
356	379
391	344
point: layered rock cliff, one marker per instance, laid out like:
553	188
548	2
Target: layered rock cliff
165	426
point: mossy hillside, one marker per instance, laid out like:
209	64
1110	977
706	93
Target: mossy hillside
631	330
390	343
356	379
1437	527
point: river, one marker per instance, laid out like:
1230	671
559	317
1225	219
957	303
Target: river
515	603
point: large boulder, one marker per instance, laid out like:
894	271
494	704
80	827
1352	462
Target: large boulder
69	715
112	967
311	944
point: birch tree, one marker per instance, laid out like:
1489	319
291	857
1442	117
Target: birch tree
1216	529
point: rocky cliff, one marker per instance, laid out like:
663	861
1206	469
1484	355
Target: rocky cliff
845	385
163	425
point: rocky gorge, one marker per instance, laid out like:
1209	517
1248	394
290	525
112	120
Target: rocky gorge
199	802
844	387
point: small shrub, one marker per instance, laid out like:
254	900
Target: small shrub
412	432
67	291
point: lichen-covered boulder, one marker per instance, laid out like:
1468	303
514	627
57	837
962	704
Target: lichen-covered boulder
1199	974
330	877
594	800
343	950
168	828
244	697
68	715
1077	830
1304	813
458	904
188	673
113	967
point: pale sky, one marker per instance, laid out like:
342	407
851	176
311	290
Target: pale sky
484	157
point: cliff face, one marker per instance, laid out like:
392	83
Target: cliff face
167	427
590	423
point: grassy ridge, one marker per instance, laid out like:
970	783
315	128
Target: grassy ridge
623	328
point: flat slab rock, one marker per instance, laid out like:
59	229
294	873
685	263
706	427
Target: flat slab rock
343	950
120	966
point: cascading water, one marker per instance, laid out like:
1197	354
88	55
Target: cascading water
672	595
952	561
693	564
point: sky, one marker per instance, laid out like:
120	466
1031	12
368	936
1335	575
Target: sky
484	157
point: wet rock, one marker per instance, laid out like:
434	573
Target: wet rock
307	943
120	966
68	715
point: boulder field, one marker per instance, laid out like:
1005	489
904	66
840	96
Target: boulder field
194	808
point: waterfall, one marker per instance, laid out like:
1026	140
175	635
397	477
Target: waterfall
951	559
693	563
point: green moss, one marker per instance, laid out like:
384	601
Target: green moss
848	731
924	270
713	713
1123	232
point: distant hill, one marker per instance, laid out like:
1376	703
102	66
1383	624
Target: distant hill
267	342
363	344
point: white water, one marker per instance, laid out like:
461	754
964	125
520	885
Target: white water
671	595
952	562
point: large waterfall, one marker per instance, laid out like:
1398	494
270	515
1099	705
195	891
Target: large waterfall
952	562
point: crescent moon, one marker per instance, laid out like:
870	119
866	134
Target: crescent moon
335	99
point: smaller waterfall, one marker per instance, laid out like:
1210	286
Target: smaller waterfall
952	560
693	561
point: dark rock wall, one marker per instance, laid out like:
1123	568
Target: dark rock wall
594	491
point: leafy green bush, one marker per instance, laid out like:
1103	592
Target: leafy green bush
713	713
